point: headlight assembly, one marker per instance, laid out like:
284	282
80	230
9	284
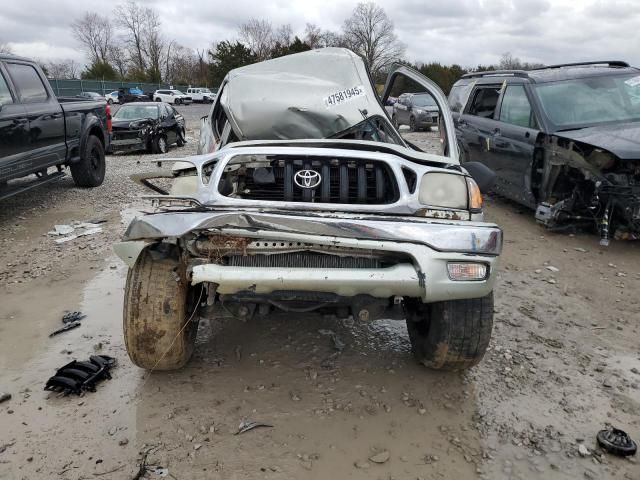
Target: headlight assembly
445	190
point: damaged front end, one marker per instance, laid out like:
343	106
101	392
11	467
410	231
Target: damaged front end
373	230
135	135
584	185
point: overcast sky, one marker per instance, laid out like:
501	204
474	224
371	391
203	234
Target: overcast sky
467	32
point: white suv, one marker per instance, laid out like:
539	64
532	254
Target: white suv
203	95
171	96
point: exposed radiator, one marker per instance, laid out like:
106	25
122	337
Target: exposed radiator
302	260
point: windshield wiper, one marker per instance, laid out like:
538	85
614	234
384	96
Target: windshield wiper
570	129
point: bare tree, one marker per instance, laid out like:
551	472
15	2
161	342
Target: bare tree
509	62
95	32
62	69
369	33
131	18
119	59
283	35
153	44
5	48
202	67
258	36
182	66
313	36
316	38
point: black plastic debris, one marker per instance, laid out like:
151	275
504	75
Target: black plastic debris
616	442
70	317
77	377
66	328
246	425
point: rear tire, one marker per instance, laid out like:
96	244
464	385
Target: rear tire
158	99
90	170
181	139
450	335
394	120
157	306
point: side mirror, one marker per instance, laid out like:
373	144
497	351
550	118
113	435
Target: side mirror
483	175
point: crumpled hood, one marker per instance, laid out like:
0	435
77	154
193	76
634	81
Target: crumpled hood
623	140
313	94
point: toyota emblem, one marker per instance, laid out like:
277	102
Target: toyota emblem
308	179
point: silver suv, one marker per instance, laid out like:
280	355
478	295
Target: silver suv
417	110
313	202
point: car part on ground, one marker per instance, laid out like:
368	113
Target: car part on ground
247	425
78	377
72	317
357	224
67	326
617	442
562	139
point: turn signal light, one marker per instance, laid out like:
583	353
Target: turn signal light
467	271
475	196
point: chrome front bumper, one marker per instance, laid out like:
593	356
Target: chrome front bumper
428	244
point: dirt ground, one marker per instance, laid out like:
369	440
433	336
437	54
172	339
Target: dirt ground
564	362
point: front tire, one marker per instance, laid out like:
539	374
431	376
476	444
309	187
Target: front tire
450	335
412	124
90	170
110	101
177	101
159	328
160	144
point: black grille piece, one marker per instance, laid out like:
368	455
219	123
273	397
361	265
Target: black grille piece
302	260
347	181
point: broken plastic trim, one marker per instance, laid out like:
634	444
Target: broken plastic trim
616	442
77	377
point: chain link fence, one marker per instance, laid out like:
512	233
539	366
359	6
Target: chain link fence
69	88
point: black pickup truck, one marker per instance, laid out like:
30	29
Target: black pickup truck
41	134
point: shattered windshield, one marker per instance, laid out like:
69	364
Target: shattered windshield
590	101
134	112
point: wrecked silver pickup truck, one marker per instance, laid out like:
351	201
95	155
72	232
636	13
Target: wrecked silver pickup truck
306	199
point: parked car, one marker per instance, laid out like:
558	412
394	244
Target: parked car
175	97
149	126
112	97
200	94
91	96
417	110
40	133
322	207
562	139
131	94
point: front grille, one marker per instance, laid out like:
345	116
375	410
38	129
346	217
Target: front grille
125	134
342	181
301	260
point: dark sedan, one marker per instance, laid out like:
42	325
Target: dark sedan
147	126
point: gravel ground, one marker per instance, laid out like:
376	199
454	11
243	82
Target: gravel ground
563	363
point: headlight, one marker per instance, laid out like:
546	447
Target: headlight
444	190
419	111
